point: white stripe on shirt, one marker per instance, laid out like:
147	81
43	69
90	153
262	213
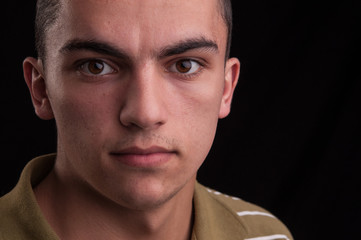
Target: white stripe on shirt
271	237
247	213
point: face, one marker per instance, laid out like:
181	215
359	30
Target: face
136	88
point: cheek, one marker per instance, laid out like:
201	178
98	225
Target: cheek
199	117
202	102
80	118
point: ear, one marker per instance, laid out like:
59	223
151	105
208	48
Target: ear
231	78
34	77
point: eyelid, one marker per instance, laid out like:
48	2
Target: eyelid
201	64
80	64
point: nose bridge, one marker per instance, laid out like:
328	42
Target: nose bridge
144	106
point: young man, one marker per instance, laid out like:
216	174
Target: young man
136	89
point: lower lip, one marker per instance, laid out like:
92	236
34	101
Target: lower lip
143	160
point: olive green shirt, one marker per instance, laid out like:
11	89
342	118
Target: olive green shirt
216	216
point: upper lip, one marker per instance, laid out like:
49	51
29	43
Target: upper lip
142	151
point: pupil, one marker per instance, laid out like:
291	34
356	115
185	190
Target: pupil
96	67
184	66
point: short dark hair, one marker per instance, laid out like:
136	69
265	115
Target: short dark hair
47	12
227	15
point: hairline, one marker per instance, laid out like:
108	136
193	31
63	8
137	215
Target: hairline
41	31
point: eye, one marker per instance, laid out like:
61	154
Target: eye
185	66
96	67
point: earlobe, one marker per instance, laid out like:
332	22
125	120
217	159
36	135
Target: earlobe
34	78
232	70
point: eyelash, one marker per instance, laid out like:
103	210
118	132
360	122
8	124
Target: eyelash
81	63
186	75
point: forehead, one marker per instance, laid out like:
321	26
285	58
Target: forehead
138	25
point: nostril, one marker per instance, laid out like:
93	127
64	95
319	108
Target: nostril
142	118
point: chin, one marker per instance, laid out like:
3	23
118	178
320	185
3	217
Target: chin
142	189
138	194
146	199
152	195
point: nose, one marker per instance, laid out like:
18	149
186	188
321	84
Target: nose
144	105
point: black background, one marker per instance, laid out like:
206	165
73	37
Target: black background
292	141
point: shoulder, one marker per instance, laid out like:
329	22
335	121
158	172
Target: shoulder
245	219
20	216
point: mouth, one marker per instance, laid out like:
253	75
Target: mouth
136	157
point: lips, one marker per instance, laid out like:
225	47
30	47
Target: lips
143	158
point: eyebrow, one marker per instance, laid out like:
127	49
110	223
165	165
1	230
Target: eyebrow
94	46
188	45
110	50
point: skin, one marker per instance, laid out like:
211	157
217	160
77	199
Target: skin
131	138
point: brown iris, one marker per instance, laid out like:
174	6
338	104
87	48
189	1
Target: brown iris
95	67
184	66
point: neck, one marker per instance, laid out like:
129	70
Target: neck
75	212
